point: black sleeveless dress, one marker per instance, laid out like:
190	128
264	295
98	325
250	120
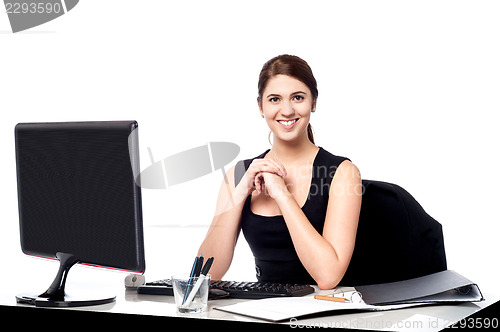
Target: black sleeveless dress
396	239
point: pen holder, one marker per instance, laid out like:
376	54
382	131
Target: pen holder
191	294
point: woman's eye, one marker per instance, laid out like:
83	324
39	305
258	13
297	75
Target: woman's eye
274	99
298	98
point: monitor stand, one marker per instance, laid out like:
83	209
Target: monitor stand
55	295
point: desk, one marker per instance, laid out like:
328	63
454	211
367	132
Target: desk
432	318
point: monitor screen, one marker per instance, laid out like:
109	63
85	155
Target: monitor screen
77	193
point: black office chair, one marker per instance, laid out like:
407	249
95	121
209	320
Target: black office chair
396	238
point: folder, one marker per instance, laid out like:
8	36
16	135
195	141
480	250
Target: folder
440	287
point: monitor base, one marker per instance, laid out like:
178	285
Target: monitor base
55	295
68	301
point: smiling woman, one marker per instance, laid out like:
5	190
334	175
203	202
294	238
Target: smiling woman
296	234
300	221
289	68
288	107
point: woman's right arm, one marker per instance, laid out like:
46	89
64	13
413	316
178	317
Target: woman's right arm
222	235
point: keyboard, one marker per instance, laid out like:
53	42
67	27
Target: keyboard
234	289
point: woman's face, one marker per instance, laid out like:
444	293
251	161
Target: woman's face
286	105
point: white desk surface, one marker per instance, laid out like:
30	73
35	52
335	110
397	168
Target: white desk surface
431	318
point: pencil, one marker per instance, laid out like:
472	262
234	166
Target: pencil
329	298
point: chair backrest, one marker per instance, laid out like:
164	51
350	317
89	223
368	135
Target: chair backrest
396	238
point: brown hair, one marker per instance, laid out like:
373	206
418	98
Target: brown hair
293	66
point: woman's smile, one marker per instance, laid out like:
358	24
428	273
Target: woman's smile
288	124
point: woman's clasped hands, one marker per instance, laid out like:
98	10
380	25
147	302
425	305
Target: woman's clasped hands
266	176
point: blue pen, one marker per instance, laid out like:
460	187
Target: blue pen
191	276
203	274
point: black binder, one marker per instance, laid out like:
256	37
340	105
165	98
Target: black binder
440	287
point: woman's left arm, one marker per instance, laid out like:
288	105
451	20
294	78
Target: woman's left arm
325	256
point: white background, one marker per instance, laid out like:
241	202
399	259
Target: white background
408	90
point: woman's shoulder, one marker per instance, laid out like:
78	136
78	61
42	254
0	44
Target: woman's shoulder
327	158
260	156
330	164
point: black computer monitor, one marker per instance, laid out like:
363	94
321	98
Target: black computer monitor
78	200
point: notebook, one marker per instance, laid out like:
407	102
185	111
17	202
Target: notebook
442	287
